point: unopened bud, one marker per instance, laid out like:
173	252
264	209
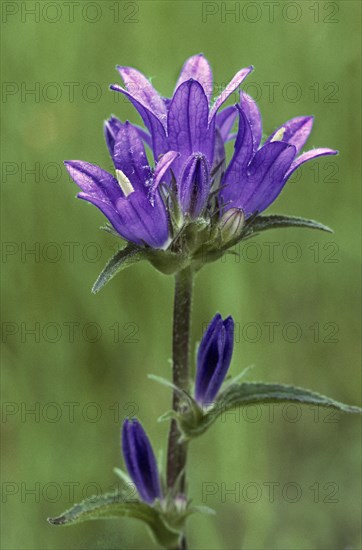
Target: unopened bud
180	503
231	224
194	185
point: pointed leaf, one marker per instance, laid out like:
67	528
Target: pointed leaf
258	392
122	259
262	223
238	395
256	223
113	505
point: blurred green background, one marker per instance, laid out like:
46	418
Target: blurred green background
84	368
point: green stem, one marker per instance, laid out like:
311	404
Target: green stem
177	453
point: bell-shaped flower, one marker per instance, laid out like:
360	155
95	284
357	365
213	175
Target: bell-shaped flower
140	461
256	175
213	358
138	215
188	122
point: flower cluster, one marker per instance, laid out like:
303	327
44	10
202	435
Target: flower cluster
148	202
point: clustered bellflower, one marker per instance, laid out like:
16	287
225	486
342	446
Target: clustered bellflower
172	206
186	135
256	174
186	123
124	198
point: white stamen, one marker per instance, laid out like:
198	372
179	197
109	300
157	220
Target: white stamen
124	183
279	134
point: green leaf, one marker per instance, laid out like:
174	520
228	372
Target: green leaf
122	259
238	395
112	505
262	223
256	223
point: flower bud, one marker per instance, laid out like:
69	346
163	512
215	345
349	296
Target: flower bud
194	185
231	224
140	461
213	358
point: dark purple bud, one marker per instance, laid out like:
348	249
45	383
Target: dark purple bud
140	461
213	359
194	185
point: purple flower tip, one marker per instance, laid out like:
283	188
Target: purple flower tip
213	359
140	461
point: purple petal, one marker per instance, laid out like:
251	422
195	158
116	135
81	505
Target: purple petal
225	121
152	122
93	180
161	168
129	156
112	214
197	68
194	185
112	127
266	176
187	123
252	113
309	155
133	217
144	135
295	131
236	171
142	90
244	141
219	156
140	461
146	221
230	88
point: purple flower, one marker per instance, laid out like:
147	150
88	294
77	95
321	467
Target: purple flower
125	199
140	461
213	359
186	123
186	135
256	175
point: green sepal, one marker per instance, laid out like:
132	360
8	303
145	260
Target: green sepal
121	259
113	505
167	262
247	393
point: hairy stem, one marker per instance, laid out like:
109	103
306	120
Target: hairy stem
177	453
